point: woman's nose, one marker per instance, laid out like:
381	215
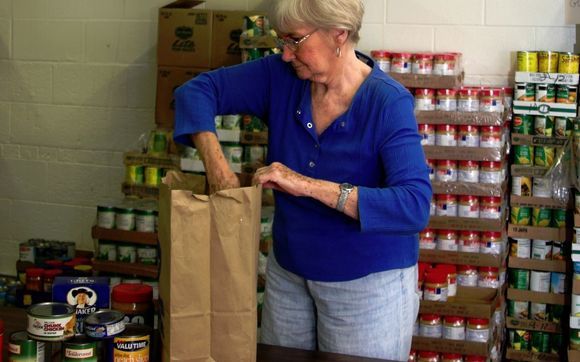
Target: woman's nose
287	54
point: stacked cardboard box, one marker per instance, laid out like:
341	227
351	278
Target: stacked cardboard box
539	229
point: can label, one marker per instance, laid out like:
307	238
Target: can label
566	94
134	174
131	348
558	283
544	156
51	329
521	186
519	279
454	333
539	282
540	342
27	351
523	155
152	176
546	93
541	216
525	92
523	124
468	175
568	63
563	127
80	353
520	339
518	309
521	248
547	62
446	244
433	331
542	249
543	126
527	61
559	218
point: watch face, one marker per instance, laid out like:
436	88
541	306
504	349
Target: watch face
346	186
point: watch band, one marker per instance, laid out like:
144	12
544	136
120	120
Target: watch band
345	190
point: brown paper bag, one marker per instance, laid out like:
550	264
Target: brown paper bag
207	283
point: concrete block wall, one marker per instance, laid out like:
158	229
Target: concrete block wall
77	89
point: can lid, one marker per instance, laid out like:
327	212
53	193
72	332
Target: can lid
493	234
446	197
492	92
469	91
400	55
428	316
468	127
488	269
469	232
423	56
452	318
482	321
428	354
380	53
424	91
445	56
446	231
468	197
447	91
468	163
491	199
34	272
132	293
427	230
50	309
491	164
105	208
466	267
446	127
436	276
454	356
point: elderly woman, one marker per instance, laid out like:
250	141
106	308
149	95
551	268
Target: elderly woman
350	179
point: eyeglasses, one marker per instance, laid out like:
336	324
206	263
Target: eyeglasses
293	43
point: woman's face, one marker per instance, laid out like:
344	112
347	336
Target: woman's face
82	298
313	59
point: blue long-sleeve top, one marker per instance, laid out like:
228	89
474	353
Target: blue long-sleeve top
374	145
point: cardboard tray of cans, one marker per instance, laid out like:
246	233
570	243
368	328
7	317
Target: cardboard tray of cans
467	223
526	139
577	220
469	188
411	80
542	202
531	356
576	286
533	325
557	266
537	297
136	237
461	258
451	346
139	190
460	118
138	158
471	302
538	232
530	171
552	78
573	355
495	154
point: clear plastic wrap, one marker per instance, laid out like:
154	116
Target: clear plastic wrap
563	173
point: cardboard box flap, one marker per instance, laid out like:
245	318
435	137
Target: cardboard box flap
183	4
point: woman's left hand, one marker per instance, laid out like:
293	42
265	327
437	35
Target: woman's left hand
279	177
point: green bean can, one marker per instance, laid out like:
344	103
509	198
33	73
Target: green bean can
540	342
519	279
559	218
555	312
523	124
562	127
23	349
544	156
524	155
518	309
541	216
520	339
575	339
520	215
79	349
556	343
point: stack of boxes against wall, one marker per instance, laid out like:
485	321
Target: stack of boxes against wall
544	110
193	40
461	255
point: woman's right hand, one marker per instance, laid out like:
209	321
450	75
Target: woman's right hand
219	173
222	180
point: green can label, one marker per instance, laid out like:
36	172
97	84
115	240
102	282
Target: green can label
541	216
543	156
520	279
523	124
524	155
563	127
559	218
520	215
556	342
543	126
540	342
555	313
25	350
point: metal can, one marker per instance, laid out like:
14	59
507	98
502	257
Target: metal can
541	216
544	156
559	250
468	171
523	155
527	61
125	218
543	126
545	92
542	249
518	309
233	153
556	343
127	253
107	251
468	206
468	100
21	348
446	135
538	311
490	137
521	186
568	63
520	340
491	242
446	171
153	176
490	207
555	313
469	241
447	240
446	100
147	255
427	239
558	218
468	136
491	100
491	173
134	174
563	126
145	220
540	342
431	164
422	63
539	281
106	217
79	348
525	92
51	321
158	142
547	61
133	344
104	323
566	94
523	124
427	132
558	283
446	205
519	279
521	248
383	59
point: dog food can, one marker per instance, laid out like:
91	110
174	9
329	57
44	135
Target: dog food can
51	321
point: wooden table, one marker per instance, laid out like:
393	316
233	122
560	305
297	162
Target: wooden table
15	319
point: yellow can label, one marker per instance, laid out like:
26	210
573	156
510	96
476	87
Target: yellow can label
524	155
544	156
131	349
547	62
134	174
541	216
520	215
527	61
568	63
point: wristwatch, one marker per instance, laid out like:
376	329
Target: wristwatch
345	190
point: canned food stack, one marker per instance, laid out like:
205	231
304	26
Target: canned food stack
544	111
574	350
462	251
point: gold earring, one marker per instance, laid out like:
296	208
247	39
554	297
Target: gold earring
338	52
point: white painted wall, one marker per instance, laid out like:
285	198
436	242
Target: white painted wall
77	88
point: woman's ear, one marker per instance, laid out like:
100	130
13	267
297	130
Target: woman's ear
340	36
